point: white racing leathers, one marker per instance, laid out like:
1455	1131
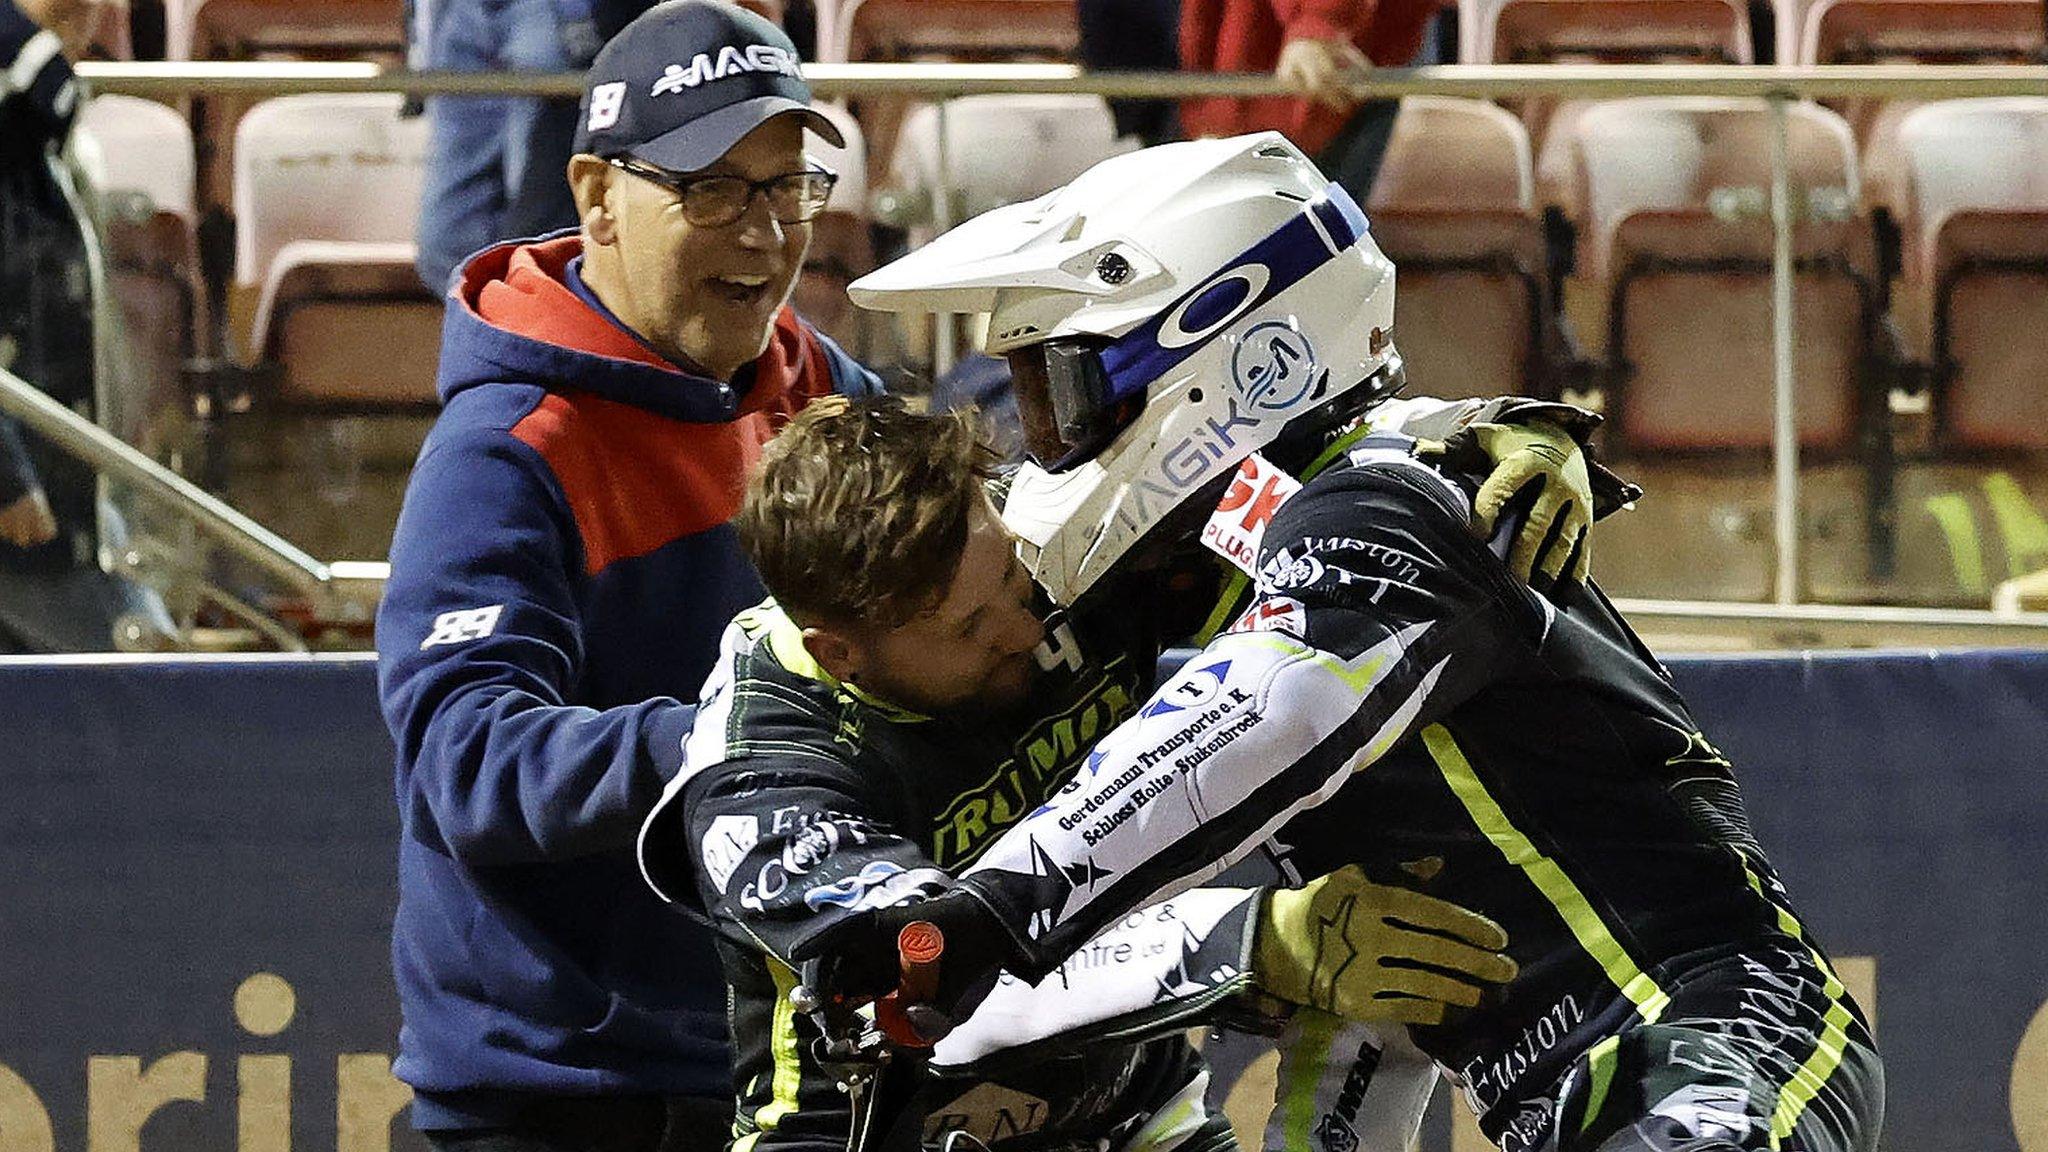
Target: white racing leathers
1363	636
1394	699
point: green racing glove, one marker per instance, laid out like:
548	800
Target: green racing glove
1539	467
1374	952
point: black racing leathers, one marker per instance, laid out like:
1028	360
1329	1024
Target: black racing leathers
1530	758
805	802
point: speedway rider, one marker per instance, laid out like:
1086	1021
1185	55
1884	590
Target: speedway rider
1189	327
869	731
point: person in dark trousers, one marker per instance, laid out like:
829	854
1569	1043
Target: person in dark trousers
562	570
1133	36
541	201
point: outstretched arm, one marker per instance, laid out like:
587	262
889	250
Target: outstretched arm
1379	613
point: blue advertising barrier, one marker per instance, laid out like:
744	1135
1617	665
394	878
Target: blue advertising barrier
197	862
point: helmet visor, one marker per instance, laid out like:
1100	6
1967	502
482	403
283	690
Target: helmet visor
1066	403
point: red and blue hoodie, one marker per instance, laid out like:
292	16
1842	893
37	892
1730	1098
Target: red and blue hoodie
559	579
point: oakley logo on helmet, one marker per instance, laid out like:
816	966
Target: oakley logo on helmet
1209	308
1273	366
730	61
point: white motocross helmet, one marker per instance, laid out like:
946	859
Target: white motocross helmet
1165	315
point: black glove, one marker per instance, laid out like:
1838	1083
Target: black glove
858	959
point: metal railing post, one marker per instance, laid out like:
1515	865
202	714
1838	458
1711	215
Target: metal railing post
1784	407
944	324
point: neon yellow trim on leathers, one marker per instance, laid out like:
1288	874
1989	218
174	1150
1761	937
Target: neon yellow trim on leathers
1808	1079
1600	1061
788	1068
1579	915
1311	1057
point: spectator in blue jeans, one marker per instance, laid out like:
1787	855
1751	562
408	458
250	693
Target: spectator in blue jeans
477	145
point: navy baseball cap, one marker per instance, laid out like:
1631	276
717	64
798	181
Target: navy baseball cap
686	79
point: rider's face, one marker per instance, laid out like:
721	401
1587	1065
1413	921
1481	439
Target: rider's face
973	651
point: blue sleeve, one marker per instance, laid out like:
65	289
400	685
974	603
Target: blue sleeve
479	644
849	376
17	472
33	69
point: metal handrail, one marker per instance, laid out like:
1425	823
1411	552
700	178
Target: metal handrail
113	457
1480	81
1706	625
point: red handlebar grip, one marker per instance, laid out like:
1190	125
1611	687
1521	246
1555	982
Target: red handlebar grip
920	942
918	948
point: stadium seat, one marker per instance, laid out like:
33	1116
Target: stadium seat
970	29
1640	31
1671	200
1972	206
242	29
1453	208
1924	31
143	147
112	38
1917	31
139	156
1001	149
326	196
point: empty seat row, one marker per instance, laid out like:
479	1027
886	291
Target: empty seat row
1806	31
324	296
1718	31
1662	193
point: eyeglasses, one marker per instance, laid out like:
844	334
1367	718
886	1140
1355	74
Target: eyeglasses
716	201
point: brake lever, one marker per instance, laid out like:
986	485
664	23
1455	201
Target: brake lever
850	1050
855	1051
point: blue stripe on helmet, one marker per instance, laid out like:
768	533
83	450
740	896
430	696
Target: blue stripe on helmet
1342	215
1286	256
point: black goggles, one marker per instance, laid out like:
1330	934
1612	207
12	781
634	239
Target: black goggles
1066	403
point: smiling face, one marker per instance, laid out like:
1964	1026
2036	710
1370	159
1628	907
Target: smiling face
970	652
705	298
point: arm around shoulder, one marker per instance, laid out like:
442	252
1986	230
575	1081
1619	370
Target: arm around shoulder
479	650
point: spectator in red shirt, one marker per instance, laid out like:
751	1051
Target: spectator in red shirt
1315	45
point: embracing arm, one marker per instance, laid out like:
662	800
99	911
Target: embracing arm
480	646
1379	613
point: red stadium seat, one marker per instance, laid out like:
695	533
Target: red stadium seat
326	197
1671	199
1973	211
1917	31
111	36
1926	31
972	29
240	29
1602	31
1535	31
1453	208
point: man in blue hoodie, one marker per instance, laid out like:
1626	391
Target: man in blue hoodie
564	566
